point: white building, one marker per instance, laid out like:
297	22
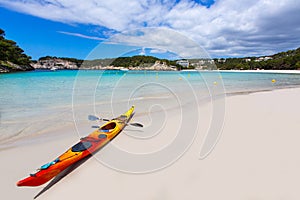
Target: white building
183	63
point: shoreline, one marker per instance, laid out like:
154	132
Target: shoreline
157	70
263	71
9	143
54	132
188	70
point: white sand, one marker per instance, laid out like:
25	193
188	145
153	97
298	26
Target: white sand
264	71
257	157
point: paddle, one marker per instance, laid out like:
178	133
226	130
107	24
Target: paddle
136	124
94	118
131	124
95	126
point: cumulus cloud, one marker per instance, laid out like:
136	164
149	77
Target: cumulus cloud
163	39
224	28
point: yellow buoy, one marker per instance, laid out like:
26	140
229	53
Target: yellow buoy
179	78
215	83
273	80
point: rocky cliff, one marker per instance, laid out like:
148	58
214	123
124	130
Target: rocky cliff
7	66
54	62
59	63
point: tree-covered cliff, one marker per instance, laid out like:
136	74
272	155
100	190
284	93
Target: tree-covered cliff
288	60
12	57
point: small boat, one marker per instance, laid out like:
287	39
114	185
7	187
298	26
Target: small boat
53	68
81	151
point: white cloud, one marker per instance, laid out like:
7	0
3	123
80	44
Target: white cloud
160	51
81	35
228	27
142	52
160	38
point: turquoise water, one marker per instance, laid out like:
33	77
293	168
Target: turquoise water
31	102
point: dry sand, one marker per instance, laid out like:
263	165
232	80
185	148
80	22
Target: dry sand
257	157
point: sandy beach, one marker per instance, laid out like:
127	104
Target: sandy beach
256	157
264	71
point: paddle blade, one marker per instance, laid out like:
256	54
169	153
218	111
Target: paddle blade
93	118
137	125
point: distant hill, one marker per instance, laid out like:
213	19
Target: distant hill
12	57
141	61
131	63
289	60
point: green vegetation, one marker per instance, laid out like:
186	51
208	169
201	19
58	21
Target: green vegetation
97	62
289	60
12	57
144	61
134	61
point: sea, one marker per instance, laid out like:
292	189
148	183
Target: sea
39	102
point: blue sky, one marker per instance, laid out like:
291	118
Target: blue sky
223	28
40	37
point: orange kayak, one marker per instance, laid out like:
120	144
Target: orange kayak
80	151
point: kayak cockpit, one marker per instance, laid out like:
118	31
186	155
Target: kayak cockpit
108	127
81	146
